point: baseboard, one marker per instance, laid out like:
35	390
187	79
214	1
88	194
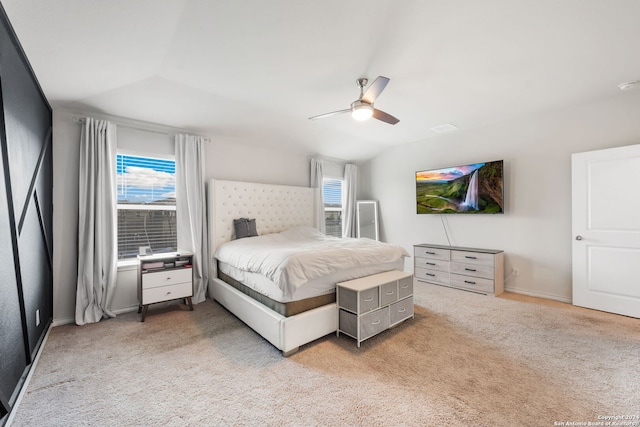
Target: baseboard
538	294
25	385
70	320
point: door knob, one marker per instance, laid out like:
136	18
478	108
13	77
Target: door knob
578	237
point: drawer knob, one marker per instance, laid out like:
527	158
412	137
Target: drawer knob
168	278
169	293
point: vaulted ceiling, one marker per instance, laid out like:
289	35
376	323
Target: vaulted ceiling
254	71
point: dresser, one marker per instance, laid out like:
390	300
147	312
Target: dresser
164	277
372	304
471	269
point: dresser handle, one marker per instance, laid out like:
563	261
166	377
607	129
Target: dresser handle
402	311
471	283
168	278
375	323
369	299
470	257
390	293
404	286
430	263
470	269
169	293
430	253
430	274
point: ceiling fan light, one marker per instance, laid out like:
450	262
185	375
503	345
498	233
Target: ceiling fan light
362	111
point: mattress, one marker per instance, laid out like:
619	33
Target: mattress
319	286
302	263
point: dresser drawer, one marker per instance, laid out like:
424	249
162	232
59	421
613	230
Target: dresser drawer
405	287
374	322
432	276
477	258
166	293
388	293
483	271
401	310
431	264
166	277
472	283
433	253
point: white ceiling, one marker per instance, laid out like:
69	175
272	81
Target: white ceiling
253	71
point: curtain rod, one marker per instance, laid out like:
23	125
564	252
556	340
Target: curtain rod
84	119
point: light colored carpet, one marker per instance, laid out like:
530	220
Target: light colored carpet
465	360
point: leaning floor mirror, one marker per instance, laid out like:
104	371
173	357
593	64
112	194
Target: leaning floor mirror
367	218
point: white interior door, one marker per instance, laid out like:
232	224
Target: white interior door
606	230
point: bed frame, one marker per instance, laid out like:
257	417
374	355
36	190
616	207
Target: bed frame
276	208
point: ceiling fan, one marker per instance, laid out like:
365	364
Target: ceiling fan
362	108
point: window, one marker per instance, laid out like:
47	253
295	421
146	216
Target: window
332	195
146	205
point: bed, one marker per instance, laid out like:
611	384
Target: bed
288	308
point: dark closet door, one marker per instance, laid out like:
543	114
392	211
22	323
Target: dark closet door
13	359
26	216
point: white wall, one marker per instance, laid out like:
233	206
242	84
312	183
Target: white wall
224	160
535	231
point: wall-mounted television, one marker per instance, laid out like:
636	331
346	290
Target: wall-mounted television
469	189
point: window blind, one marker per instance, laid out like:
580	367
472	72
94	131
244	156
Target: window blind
332	195
146	205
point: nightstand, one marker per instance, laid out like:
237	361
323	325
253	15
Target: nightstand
164	277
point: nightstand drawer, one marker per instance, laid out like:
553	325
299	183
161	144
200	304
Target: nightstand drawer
165	293
477	258
433	253
472	270
472	283
432	276
166	277
432	264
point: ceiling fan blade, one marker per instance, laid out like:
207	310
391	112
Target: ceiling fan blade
385	117
322	116
375	89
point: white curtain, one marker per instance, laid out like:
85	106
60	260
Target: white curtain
349	201
191	209
316	179
97	222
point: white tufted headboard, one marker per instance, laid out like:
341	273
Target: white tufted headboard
275	207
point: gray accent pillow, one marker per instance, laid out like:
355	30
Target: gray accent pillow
245	227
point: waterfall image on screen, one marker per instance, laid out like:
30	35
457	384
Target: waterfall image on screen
469	189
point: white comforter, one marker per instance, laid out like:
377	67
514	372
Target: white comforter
296	256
